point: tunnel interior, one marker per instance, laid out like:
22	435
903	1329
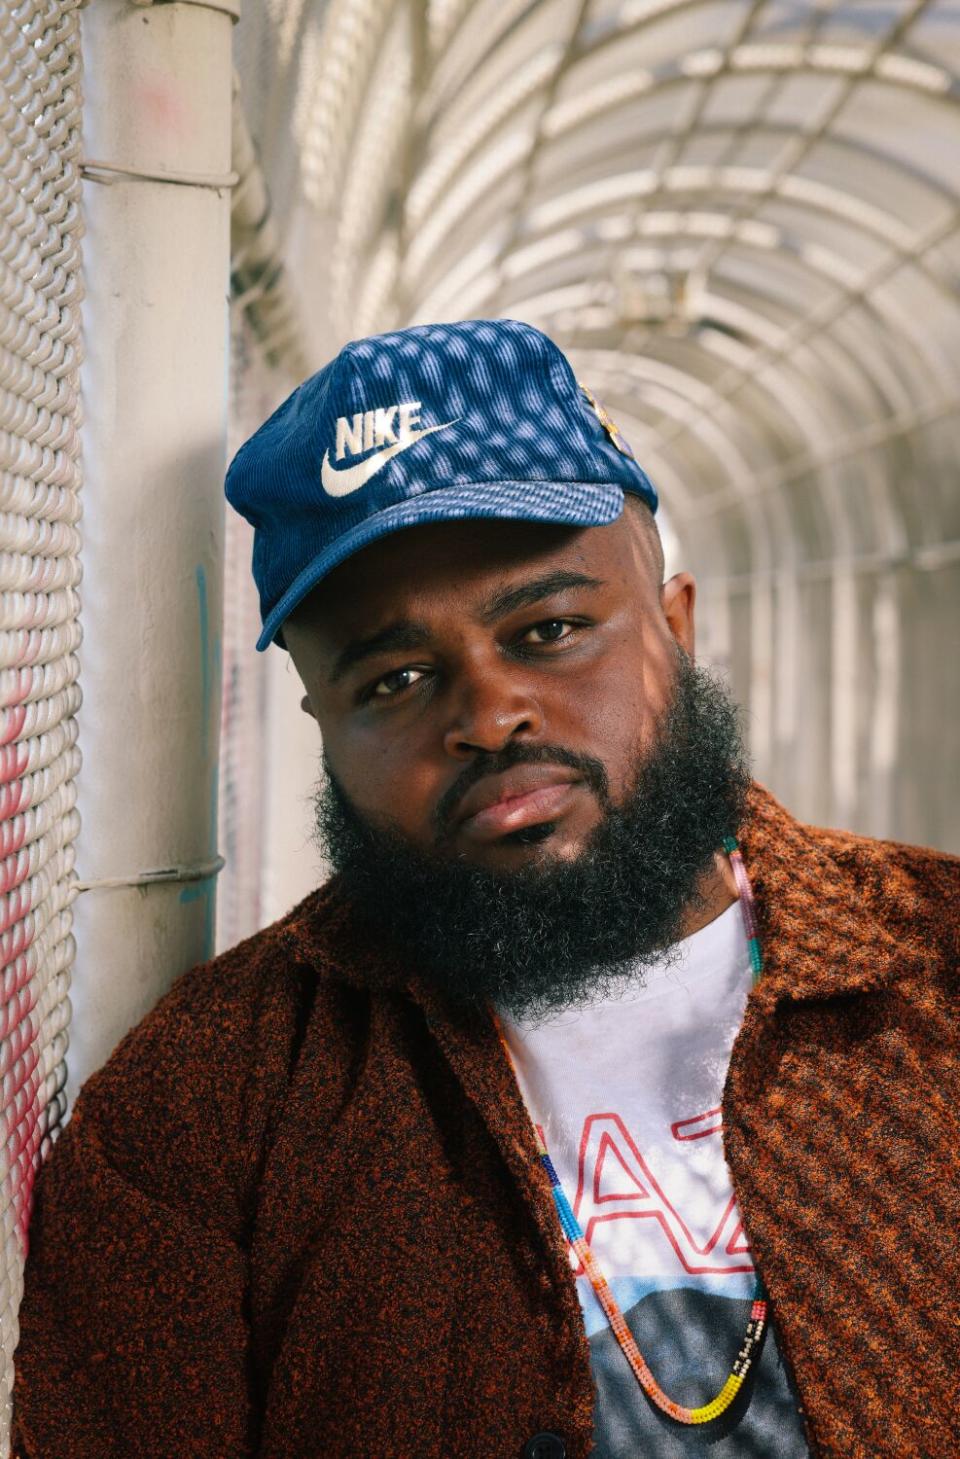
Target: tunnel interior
740	220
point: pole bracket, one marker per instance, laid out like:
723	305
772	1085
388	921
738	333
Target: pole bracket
110	172
228	7
198	871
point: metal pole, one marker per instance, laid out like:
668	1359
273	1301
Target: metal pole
154	387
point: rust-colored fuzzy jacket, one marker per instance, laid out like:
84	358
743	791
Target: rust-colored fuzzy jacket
294	1217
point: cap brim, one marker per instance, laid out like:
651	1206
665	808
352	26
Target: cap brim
564	504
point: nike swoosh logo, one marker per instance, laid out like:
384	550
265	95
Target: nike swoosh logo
350	478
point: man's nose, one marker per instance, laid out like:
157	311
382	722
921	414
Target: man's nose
493	705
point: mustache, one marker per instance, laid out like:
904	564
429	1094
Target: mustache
518	753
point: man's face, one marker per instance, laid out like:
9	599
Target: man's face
528	778
440	648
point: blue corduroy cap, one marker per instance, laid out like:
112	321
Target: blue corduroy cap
483	418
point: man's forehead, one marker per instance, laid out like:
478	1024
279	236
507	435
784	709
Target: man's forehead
443	565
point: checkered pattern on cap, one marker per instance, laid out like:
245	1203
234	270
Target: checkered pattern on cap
502	430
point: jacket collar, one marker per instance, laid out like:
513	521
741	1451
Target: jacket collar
819	934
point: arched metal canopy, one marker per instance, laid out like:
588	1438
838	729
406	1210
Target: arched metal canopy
741	218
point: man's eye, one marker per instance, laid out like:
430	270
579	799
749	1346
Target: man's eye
552	630
395	682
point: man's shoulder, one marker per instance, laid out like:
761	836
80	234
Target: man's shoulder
190	1096
911	891
871	857
889	872
245	1008
274	964
914	891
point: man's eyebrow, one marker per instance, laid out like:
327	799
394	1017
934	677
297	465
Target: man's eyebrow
509	599
404	634
398	635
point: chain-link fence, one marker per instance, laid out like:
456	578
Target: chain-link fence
40	288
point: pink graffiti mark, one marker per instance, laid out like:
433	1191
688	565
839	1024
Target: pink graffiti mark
13	762
17	907
16	1008
21	1122
13	797
162	106
13	833
22	1125
13	965
36	611
14	871
17	719
16	1045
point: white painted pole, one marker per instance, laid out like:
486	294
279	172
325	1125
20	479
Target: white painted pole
154	387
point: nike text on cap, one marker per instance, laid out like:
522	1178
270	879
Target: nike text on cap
443	421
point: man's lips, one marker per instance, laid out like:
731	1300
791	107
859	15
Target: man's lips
521	797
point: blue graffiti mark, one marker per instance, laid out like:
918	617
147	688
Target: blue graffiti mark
214	806
217	660
206	685
211	659
207	886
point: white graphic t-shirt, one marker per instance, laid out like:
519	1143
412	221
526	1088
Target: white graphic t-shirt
627	1096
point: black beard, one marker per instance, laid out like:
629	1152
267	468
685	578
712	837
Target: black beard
556	934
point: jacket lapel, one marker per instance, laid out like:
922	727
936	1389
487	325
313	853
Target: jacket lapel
474	1052
817	932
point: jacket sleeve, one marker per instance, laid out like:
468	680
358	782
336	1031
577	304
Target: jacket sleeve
133	1327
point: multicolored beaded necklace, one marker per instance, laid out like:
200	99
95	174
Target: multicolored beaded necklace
578	1242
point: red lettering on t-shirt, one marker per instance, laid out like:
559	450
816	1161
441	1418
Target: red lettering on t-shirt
615	1183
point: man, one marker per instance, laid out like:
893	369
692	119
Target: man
595	1107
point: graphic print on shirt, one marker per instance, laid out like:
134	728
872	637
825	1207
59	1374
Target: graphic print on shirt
615	1183
691	1305
626	1094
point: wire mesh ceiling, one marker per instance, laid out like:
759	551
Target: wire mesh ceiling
741	220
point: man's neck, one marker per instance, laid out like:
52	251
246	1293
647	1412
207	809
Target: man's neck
717	892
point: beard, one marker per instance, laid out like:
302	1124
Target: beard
555	934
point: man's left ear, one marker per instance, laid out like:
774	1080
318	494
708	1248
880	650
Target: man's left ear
678	597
